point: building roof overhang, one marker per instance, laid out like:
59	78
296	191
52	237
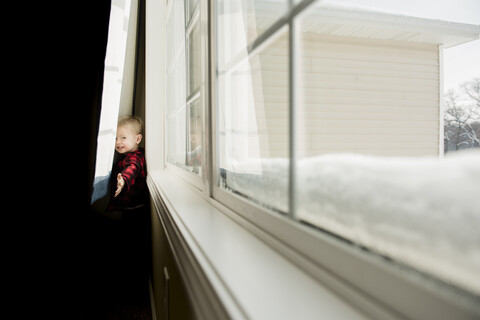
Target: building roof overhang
363	23
327	18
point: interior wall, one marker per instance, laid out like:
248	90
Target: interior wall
154	83
150	107
170	297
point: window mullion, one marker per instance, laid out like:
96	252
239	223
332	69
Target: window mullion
292	176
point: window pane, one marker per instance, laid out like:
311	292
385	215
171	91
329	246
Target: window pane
194	59
369	144
252	127
194	154
240	22
184	107
192	6
177	147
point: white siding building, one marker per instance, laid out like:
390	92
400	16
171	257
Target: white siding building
370	83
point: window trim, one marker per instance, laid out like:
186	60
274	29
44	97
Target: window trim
193	179
205	297
200	253
338	264
332	263
190	97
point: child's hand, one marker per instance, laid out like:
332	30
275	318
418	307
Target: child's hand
120	184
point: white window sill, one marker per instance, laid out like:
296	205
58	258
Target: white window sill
230	272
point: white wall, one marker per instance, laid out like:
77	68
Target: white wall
154	83
162	257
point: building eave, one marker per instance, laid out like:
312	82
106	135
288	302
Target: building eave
356	22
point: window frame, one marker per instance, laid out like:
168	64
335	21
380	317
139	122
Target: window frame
191	97
331	261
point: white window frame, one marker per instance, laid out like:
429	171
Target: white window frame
196	180
334	262
379	288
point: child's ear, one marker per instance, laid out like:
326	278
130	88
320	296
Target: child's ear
139	138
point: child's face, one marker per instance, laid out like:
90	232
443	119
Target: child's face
127	140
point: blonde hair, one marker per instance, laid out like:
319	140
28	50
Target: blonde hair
134	122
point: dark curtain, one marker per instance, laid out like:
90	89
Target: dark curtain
64	56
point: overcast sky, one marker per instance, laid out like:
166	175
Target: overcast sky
461	63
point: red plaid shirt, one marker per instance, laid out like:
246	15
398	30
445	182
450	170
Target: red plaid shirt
133	169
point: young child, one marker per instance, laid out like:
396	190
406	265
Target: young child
128	179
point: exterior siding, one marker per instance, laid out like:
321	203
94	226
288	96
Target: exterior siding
357	95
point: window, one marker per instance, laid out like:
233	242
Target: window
324	116
117	89
330	118
184	74
252	128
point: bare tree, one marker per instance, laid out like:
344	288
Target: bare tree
472	91
462	117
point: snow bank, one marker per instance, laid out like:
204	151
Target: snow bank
422	211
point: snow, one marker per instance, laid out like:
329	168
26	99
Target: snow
422	211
